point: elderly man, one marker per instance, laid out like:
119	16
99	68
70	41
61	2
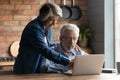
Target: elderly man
68	38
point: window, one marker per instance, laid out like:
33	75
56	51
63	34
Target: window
117	30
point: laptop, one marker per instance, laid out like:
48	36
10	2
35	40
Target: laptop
87	64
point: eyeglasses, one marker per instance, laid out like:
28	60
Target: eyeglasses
69	38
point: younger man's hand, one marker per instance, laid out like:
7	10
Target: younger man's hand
70	65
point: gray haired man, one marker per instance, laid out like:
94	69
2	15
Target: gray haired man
68	38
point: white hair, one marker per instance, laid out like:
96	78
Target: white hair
52	10
71	27
57	10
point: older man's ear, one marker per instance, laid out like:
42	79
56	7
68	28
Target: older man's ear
60	38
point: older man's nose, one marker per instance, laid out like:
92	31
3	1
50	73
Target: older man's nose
71	41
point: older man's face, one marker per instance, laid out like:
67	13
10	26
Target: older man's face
69	40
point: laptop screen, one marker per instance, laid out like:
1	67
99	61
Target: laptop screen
88	64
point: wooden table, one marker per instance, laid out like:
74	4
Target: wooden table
53	76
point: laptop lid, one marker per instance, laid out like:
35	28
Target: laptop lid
88	64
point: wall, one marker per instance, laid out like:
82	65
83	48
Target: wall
100	17
15	14
96	21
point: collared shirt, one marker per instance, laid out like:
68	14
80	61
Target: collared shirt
50	66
